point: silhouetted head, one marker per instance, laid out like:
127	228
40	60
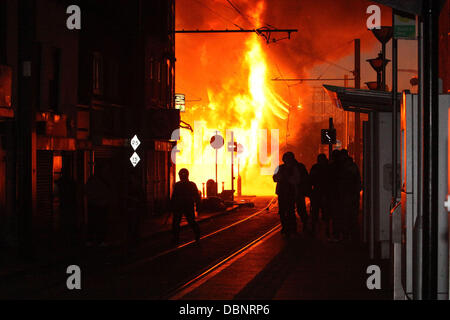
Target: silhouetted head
322	158
335	155
288	158
183	174
344	153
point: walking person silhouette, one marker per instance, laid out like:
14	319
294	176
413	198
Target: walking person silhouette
185	195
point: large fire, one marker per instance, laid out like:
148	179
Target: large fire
228	87
247	107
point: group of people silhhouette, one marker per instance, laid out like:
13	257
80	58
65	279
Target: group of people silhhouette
333	188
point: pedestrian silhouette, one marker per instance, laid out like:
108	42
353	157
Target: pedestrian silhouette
287	177
351	181
336	195
304	190
185	195
319	177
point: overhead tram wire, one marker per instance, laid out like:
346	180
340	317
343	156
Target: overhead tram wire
217	14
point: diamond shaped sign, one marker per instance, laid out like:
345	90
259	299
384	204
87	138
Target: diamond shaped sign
135	143
135	159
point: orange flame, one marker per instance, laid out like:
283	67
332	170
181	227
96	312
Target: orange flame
252	111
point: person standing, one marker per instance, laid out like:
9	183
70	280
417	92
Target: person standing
287	177
320	182
336	195
351	182
185	195
304	190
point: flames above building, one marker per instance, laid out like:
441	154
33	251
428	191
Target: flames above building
228	87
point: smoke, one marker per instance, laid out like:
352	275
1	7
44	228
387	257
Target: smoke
212	64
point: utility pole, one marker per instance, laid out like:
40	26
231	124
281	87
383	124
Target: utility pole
394	109
232	166
430	107
346	115
330	145
357	74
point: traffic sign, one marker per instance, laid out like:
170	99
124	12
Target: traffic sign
328	136
216	141
232	147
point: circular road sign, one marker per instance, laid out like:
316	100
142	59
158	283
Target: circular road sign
216	141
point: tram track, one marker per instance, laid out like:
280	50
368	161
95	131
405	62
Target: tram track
152	276
171	250
221	264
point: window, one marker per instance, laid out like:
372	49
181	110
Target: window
97	72
150	71
168	73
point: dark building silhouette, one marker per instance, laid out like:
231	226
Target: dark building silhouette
72	99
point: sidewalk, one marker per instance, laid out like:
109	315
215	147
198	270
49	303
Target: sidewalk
301	268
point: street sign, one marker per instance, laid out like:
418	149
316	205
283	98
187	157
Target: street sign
216	141
404	27
135	159
135	143
180	102
240	149
328	136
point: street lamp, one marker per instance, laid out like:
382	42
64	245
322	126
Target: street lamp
372	85
384	34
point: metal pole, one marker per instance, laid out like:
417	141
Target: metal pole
417	235
330	145
371	180
346	116
394	112
357	117
232	166
430	147
26	25
217	186
383	75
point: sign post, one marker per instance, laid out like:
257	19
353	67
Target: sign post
217	143
232	166
328	136
240	150
180	102
232	147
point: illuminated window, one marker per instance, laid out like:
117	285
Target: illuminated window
57	167
5	86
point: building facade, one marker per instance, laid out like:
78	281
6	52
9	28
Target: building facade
71	100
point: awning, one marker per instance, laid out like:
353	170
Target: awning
409	6
361	100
